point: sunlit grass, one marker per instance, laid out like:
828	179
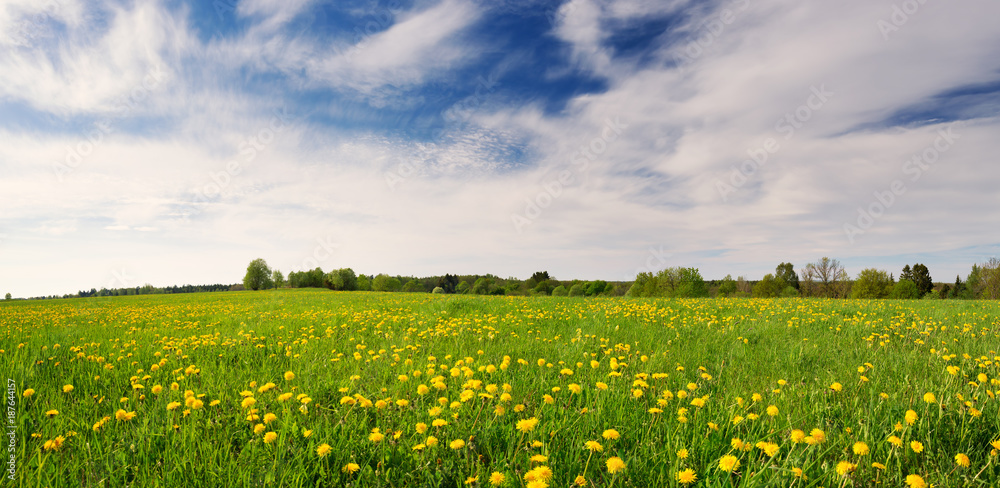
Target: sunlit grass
317	388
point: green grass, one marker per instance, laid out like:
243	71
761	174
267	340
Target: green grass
348	350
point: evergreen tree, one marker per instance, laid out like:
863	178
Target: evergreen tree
922	278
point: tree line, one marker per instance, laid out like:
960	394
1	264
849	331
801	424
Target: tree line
824	278
260	276
146	289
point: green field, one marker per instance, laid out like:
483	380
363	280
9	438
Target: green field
156	391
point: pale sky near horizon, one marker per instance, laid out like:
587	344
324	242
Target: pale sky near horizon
171	142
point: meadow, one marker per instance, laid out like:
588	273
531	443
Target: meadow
321	388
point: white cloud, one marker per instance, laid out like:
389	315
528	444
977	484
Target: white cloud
415	47
94	69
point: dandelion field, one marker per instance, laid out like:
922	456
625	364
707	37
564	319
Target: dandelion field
319	388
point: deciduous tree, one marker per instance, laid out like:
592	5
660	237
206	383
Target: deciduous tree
904	290
826	278
258	275
727	287
871	284
786	271
769	287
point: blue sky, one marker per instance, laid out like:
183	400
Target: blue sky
171	142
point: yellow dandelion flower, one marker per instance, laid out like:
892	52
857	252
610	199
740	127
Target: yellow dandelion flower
911	417
67	388
797	436
349	468
289	376
686	476
769	448
323	450
497	478
610	434
962	460
457	444
270	437
916	446
729	463
845	467
54	444
615	464
915	481
819	435
860	448
527	425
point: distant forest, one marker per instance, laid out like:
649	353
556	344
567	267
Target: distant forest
824	278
